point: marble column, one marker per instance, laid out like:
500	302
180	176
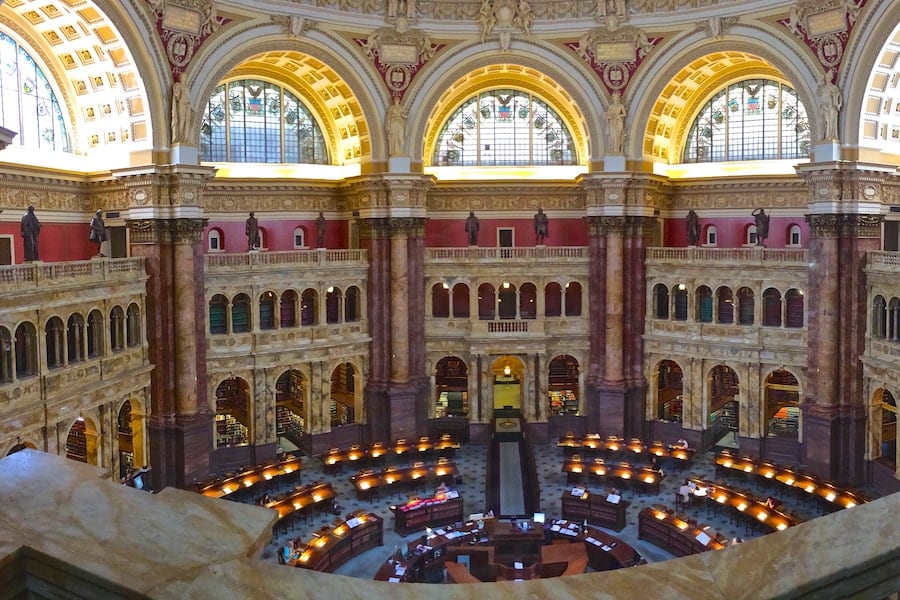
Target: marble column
612	387
596	304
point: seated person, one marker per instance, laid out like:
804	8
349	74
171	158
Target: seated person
681	443
685	491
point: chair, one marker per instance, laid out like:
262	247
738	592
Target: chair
679	502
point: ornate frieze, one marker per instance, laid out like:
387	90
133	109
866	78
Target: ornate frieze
166	231
846	226
504	18
398	54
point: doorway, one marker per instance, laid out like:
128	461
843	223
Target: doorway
507	372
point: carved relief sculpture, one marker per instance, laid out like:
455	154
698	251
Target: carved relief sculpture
395	125
830	102
182	114
615	124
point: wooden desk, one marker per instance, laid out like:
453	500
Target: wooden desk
428	512
605	551
645	477
595	508
249	479
674	534
680	456
805	485
330	549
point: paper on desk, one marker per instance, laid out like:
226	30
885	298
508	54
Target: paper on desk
400	570
606	548
393	580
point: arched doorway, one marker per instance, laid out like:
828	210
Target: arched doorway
130	437
21	446
884	428
562	390
782	406
451	379
232	413
723	389
343	395
669	391
82	442
508	373
290	407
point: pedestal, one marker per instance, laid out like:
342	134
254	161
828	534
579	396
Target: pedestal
615	163
184	155
826	152
399	164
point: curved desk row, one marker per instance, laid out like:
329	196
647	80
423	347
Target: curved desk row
647	478
676	533
376	452
371	481
632	446
744	504
330	548
804	483
287	469
302	500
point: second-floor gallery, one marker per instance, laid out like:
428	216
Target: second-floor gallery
326	224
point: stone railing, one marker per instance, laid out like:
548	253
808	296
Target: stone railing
750	256
39	275
476	254
888	262
254	261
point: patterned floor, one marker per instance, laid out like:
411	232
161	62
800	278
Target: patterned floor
470	460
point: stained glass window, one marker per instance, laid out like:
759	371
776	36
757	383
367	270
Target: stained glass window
755	119
504	128
257	121
28	105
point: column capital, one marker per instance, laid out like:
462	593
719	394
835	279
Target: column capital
166	231
845	226
850	187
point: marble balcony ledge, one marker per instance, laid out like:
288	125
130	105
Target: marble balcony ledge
37	276
277	261
178	544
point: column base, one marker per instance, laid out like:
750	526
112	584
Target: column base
180	450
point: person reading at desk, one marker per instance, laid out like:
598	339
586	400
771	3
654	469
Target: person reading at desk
685	491
681	443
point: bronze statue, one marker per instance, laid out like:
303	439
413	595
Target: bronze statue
762	225
472	227
98	231
541	226
320	231
251	228
31	227
693	228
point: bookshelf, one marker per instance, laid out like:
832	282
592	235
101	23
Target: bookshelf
230	431
287	421
563	386
76	442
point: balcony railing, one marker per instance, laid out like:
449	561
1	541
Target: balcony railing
887	261
768	256
39	275
500	254
273	260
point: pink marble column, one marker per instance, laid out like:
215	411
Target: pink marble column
399	308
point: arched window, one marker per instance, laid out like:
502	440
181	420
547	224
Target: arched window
460	301
95	334
660	301
725	305
486	302
117	328
75	338
879	317
527	301
506	301
750	236
289	309
794	235
259	122
440	301
893	319
754	119
299	238
504	127
54	339
214	241
351	305
745	306
704	304
133	326
240	314
267	310
218	314
794	311
772	308
553	300
309	307
26	350
681	302
333	300
28	104
573	299
712	235
6	356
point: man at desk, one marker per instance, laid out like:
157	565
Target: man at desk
685	490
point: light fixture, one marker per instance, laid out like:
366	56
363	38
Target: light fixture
682	287
445	285
507	371
330	289
505	285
